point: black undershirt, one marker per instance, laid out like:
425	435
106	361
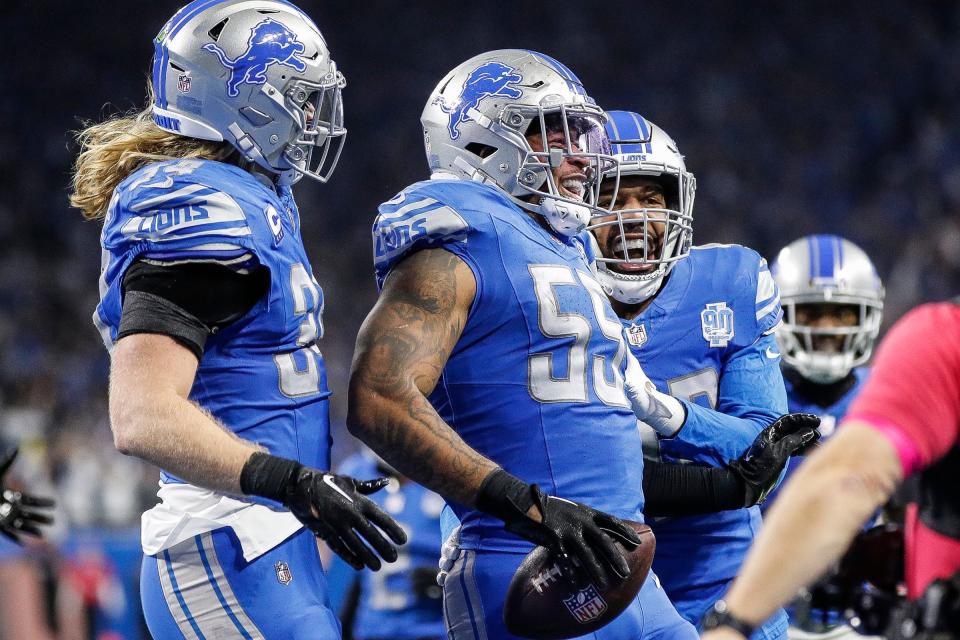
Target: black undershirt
188	301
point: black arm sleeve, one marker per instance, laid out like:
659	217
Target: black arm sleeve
187	301
689	489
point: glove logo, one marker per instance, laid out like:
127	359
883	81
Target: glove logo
490	79
270	42
586	605
716	321
284	576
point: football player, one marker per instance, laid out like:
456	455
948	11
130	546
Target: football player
700	320
491	369
402	600
833	300
211	314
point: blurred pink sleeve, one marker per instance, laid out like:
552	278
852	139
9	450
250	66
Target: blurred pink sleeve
913	394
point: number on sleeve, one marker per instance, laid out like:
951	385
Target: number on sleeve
699	384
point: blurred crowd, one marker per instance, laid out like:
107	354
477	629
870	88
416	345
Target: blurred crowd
795	117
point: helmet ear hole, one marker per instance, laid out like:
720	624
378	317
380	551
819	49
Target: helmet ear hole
480	150
217	29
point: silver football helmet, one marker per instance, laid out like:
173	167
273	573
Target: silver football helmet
646	243
256	74
476	123
827	270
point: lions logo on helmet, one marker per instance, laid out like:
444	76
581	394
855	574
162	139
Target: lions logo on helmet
291	121
831	273
477	119
491	79
270	43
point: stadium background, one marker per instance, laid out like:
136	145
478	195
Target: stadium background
795	117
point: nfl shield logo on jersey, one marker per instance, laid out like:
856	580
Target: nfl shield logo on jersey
637	334
586	604
717	323
283	573
183	83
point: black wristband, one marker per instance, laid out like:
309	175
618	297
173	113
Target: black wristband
269	476
719	616
504	495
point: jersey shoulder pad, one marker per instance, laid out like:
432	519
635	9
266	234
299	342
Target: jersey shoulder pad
188	209
428	214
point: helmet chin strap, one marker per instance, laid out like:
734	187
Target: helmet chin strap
625	290
566	218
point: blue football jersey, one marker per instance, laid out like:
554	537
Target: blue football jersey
707	339
263	376
535	382
830	418
388	606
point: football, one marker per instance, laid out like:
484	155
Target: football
540	604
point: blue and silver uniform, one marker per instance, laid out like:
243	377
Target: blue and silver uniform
707	340
830	418
389	605
535	383
262	377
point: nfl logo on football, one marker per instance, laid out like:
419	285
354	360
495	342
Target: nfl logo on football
183	83
586	604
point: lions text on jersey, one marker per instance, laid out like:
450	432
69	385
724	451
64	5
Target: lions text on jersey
535	383
707	339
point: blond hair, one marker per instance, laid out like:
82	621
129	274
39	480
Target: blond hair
112	150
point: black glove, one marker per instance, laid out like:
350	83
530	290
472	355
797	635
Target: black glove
581	538
760	465
17	510
332	506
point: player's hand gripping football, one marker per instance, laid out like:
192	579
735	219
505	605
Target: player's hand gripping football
18	511
580	537
793	434
334	507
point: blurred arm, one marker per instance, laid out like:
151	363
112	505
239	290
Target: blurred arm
401	350
23	603
813	521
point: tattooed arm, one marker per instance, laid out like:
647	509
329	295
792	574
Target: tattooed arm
401	350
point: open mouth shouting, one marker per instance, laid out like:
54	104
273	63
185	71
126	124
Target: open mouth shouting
574	187
637	249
